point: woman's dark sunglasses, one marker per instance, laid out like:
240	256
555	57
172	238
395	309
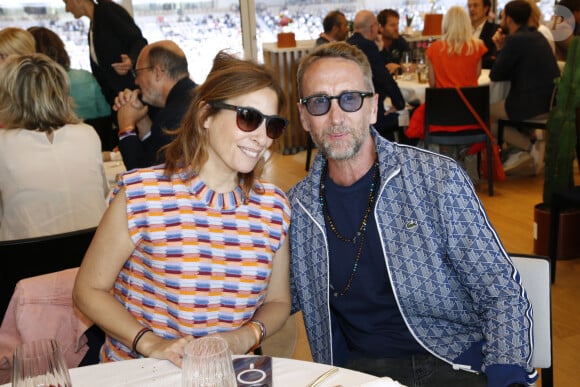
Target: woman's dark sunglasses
249	119
349	101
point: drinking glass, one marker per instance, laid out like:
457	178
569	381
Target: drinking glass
406	61
40	363
207	362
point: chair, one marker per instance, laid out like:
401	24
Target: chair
444	106
41	255
535	274
537	123
561	200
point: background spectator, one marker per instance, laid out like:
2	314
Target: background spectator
483	28
114	43
163	79
89	103
335	28
392	43
526	60
366	29
51	169
454	60
15	41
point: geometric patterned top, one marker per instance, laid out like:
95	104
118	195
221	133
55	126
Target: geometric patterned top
203	259
459	294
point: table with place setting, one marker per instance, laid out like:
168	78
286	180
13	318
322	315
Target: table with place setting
161	373
413	90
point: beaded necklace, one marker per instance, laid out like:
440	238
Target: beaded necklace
360	234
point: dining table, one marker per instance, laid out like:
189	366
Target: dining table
414	91
150	372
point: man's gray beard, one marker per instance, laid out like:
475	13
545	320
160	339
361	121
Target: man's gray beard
343	154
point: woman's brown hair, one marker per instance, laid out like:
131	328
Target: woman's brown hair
228	78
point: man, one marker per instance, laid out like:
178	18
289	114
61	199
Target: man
335	28
526	60
395	265
483	28
393	45
366	29
162	75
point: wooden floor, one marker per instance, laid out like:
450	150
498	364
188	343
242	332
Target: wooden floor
511	213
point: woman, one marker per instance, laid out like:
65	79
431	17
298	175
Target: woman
15	41
455	60
196	246
51	169
114	43
89	102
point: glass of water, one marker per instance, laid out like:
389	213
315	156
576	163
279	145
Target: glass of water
207	362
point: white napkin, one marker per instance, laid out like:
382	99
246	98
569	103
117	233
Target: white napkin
382	382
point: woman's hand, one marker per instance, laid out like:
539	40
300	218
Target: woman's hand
160	348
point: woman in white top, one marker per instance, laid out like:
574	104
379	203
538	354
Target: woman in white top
52	178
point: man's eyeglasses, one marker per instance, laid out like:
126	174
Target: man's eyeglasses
249	119
349	101
136	71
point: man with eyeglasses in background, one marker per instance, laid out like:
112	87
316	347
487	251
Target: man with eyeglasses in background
162	75
394	263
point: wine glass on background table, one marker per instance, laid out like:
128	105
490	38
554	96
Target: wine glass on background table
406	63
421	67
40	363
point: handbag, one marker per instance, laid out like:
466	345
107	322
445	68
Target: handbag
498	172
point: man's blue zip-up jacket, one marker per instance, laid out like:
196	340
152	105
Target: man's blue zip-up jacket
456	287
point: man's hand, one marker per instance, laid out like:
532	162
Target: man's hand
393	68
130	110
498	38
127	96
124	66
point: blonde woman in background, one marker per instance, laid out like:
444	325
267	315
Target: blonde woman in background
51	169
15	41
455	60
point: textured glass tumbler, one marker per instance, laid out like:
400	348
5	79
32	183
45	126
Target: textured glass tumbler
207	362
40	363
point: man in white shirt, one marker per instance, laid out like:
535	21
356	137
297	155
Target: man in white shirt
483	28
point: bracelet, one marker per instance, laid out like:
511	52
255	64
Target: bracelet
129	128
138	337
127	133
262	329
258	333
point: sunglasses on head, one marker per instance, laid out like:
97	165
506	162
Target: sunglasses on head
249	119
349	101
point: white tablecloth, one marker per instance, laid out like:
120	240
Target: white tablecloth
413	90
162	373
